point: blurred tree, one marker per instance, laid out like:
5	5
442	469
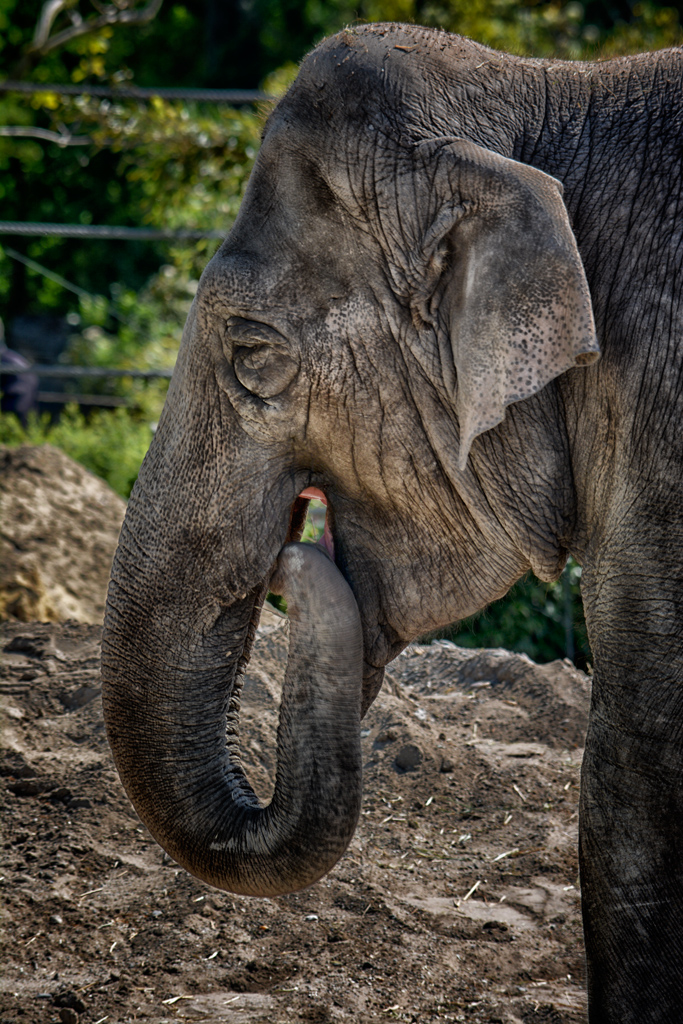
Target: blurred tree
162	164
543	620
49	35
573	30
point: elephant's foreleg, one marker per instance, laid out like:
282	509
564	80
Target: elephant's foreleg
631	845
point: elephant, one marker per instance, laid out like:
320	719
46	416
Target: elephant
451	303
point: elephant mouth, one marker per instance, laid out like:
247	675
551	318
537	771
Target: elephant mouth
382	647
326	542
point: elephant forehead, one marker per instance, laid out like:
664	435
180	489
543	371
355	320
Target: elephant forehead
287	261
232	279
325	158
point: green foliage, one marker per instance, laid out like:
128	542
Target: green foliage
137	331
110	444
162	164
543	620
574	30
185	164
169	165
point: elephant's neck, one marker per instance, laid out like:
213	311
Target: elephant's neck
603	126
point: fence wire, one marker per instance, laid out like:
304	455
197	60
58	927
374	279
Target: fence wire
109	232
233	97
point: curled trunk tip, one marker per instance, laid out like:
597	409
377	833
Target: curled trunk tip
167	714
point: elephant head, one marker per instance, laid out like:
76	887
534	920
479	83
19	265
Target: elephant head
380	325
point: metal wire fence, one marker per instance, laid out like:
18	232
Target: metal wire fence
110	232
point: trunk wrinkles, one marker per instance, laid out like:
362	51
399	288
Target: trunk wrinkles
175	739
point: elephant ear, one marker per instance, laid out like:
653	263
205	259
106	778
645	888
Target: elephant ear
501	282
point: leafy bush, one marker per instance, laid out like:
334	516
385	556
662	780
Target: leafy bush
543	620
571	31
137	331
111	444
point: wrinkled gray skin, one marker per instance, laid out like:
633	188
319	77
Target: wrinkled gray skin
400	318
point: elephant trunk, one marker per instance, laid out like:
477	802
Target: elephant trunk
171	701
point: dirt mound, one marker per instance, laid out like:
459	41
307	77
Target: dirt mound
60	527
457	900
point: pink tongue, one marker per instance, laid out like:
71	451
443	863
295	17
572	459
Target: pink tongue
326	542
313	492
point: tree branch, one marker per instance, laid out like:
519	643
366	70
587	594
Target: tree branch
61	138
43	43
46	20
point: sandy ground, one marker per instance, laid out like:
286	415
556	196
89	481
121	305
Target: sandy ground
60	528
457	900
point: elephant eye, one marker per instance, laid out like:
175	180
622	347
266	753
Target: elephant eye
261	358
264	371
251	358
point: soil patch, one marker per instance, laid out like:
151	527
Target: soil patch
60	528
457	900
